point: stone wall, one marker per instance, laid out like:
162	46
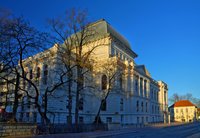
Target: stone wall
17	129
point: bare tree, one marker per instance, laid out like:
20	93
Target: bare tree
174	98
18	41
75	35
62	31
112	73
188	96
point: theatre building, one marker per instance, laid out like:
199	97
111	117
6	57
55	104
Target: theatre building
134	99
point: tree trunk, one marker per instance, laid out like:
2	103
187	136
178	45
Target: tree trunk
97	117
77	110
69	121
16	96
47	121
78	89
39	107
7	87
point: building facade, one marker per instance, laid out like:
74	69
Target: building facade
183	111
136	98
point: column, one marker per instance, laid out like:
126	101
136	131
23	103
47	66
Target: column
139	93
148	89
131	78
142	87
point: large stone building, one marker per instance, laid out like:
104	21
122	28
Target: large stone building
183	111
135	98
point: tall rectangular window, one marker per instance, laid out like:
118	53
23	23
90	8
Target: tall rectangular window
30	77
121	104
146	107
138	120
112	51
142	120
152	109
24	81
35	117
142	105
81	120
81	104
45	74
103	106
145	88
28	102
137	106
38	75
141	86
21	116
27	116
31	74
136	85
109	119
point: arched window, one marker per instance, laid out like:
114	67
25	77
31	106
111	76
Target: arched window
45	74
104	82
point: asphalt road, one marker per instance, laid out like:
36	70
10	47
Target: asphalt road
184	131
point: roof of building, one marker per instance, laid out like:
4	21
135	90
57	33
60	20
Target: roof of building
103	28
182	103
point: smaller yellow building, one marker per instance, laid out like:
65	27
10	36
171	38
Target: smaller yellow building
198	113
183	111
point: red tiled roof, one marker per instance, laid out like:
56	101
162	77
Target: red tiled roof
183	103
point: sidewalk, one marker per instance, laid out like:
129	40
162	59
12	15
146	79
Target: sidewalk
95	134
87	134
167	124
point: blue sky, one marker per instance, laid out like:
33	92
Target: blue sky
164	33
